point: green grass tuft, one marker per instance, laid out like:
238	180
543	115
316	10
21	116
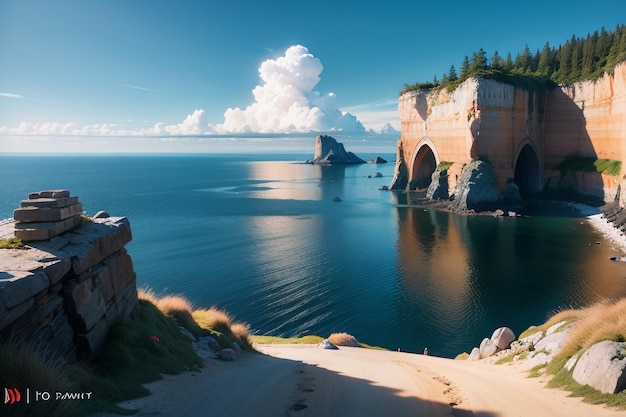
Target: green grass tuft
138	350
27	365
11	243
564	380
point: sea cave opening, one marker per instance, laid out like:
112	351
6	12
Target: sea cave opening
528	171
423	167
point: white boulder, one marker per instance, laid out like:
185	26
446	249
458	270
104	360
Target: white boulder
502	337
602	367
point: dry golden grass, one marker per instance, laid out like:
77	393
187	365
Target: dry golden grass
213	318
175	306
602	321
241	332
343	339
181	310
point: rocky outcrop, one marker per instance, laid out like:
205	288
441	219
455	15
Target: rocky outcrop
603	367
328	151
477	188
500	340
438	188
66	291
525	135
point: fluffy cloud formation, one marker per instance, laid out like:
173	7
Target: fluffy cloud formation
286	102
194	124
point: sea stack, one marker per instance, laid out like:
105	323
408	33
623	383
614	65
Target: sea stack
328	151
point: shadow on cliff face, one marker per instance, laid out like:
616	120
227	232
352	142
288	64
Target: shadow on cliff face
569	153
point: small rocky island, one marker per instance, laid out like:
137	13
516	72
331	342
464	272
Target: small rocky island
328	152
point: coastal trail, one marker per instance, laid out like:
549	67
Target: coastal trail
305	380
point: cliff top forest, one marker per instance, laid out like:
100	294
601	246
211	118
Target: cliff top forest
579	59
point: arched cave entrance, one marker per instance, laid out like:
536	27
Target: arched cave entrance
528	171
423	167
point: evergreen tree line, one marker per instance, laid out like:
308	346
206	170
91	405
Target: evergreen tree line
579	59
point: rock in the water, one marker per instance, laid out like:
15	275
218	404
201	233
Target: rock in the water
228	354
337	200
511	193
328	151
602	367
477	188
502	337
237	349
487	348
438	188
378	160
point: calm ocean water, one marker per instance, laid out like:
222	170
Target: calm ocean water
261	236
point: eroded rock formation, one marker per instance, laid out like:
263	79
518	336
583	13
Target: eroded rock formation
65	291
328	151
525	135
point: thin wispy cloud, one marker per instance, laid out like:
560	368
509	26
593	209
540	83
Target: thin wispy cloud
11	95
136	87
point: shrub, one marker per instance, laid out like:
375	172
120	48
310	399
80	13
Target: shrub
174	306
343	339
213	318
241	332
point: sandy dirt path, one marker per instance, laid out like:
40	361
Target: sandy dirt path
304	380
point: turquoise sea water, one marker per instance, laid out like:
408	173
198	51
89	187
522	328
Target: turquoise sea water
261	236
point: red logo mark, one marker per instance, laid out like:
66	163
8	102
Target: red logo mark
12	396
155	338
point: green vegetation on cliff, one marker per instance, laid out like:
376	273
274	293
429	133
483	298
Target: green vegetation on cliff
601	166
578	59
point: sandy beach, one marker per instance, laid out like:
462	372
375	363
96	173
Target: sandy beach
306	380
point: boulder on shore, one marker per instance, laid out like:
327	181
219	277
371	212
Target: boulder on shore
502	337
603	367
328	151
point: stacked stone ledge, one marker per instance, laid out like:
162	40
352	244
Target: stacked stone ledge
47	214
65	290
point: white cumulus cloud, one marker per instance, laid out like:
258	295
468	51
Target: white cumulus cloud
285	102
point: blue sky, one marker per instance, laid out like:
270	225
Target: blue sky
74	70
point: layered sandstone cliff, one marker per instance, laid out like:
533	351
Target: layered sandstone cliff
67	290
524	135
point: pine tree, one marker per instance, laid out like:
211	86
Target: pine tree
603	47
523	61
577	61
545	66
465	67
452	74
497	63
479	60
508	63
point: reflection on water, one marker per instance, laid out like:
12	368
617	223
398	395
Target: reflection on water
265	241
462	272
